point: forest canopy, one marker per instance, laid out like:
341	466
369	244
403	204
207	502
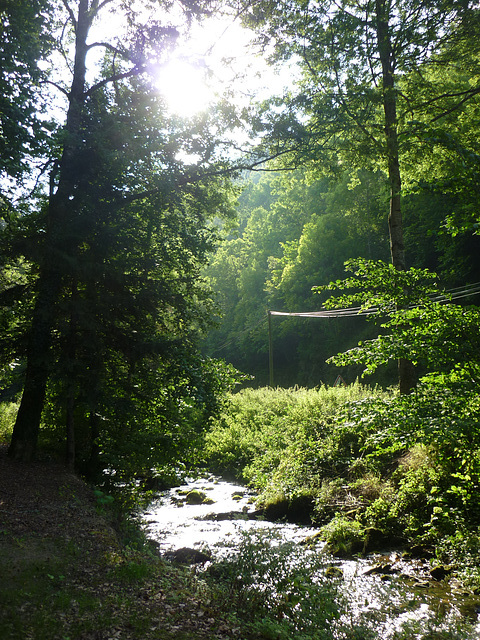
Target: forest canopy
378	155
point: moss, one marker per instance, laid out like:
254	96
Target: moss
196	497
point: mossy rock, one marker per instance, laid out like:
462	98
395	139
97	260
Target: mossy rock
314	539
378	540
334	572
195	497
297	510
344	537
156	483
344	549
440	572
186	555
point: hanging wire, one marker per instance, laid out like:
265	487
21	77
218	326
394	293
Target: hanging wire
240	333
450	294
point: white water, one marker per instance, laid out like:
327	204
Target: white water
386	603
173	524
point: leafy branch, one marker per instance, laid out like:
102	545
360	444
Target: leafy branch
415	321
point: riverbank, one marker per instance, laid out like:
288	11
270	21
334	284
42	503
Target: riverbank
372	469
71	570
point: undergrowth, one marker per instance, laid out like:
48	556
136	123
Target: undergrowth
375	468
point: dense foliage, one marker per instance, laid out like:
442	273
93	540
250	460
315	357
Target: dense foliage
415	319
102	297
24	42
295	232
373	468
380	125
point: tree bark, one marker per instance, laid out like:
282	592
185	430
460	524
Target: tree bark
57	244
70	424
71	372
406	370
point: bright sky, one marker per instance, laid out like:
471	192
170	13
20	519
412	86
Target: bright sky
217	57
211	61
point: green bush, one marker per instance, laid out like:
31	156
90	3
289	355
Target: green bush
283	435
344	536
8	412
405	466
278	590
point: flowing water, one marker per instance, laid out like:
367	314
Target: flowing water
385	592
174	524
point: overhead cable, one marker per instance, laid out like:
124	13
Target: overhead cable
350	312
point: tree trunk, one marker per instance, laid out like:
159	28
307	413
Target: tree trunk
25	432
57	245
71	372
92	468
70	453
406	370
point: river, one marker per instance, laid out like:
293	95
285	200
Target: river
384	591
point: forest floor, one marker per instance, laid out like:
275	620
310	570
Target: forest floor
66	573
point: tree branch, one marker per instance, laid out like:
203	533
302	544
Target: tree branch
110	47
57	86
103	4
120	76
70	13
467	95
197	176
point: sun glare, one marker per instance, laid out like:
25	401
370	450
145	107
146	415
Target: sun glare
184	88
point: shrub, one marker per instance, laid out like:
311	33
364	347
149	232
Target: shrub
278	589
8	412
284	437
343	536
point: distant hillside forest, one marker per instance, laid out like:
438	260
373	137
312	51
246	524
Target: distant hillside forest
294	231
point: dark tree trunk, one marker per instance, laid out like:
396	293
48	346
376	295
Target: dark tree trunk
70	454
92	468
25	432
71	371
407	375
406	370
27	424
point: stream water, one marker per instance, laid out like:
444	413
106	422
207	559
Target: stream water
384	591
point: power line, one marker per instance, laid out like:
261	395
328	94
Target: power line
350	312
238	334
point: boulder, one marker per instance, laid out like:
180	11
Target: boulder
440	572
186	555
195	497
334	572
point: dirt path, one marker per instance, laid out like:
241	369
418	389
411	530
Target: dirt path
65	574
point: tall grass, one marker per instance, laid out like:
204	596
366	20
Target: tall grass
262	430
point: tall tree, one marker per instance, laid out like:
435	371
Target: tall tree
355	56
111	159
